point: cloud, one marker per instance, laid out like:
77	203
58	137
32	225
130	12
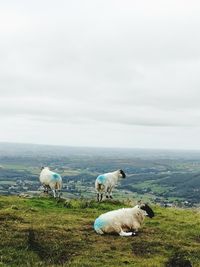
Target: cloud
78	112
131	64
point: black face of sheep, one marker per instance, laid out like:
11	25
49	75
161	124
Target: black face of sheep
122	173
148	210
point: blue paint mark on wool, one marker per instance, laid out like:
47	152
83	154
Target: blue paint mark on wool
101	178
99	223
55	176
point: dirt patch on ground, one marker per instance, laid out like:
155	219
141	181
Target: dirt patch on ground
178	259
144	248
49	249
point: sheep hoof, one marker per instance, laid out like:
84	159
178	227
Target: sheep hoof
111	197
134	234
106	196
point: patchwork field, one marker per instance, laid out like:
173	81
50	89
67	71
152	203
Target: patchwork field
160	176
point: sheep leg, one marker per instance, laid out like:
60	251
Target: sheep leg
59	193
109	191
118	229
122	233
45	188
101	197
54	193
135	232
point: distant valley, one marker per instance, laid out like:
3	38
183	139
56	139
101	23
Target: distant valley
162	176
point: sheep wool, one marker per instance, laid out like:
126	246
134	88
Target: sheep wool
121	220
51	180
106	182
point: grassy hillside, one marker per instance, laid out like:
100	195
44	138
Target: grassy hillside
44	232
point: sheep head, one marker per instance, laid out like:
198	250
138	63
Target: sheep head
123	175
148	210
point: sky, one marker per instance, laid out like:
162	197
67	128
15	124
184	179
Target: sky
100	73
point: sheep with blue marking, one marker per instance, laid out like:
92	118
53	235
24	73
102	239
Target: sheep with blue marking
122	220
51	180
106	182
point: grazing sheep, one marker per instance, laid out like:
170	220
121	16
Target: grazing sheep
121	220
51	180
106	182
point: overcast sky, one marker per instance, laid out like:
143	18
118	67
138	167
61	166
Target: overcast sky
100	73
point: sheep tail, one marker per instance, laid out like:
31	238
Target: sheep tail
100	187
57	186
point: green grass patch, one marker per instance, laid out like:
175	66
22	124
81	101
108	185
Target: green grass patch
49	232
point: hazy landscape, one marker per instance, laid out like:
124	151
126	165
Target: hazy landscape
38	230
165	177
106	85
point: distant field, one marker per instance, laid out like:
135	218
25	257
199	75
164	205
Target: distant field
44	232
153	175
7	182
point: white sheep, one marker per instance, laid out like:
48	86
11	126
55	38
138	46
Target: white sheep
121	220
51	180
106	182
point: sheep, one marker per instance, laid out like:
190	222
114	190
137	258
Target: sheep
51	180
106	182
121	220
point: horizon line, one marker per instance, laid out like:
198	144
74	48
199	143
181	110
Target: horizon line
101	147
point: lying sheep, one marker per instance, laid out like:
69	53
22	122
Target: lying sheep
51	180
106	182
121	220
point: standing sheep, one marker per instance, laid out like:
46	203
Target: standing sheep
106	182
121	220
51	180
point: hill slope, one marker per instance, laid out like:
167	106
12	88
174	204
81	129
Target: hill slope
44	232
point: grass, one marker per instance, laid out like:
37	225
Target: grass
46	232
